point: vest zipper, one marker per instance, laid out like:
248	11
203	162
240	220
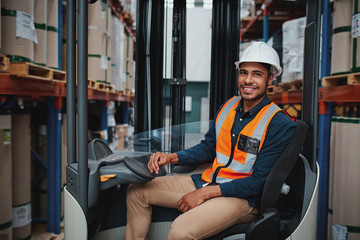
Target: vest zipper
230	158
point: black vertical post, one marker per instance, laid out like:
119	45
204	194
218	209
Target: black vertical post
178	83
83	105
156	61
156	65
140	68
71	80
179	62
224	52
311	79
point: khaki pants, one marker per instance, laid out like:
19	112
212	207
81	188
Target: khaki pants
201	222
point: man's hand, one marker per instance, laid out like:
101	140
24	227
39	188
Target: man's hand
197	197
159	159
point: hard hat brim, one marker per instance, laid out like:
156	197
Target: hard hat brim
275	69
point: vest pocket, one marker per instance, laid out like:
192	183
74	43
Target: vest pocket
248	144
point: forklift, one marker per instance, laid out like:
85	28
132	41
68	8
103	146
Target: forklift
97	177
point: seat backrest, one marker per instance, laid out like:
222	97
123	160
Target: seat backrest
283	167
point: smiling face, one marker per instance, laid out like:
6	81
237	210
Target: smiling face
253	81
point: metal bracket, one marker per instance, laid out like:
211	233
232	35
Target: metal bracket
175	81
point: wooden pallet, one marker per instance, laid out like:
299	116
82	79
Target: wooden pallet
291	86
344	79
33	71
29	70
100	86
285	87
129	93
109	87
271	89
59	76
91	84
4	63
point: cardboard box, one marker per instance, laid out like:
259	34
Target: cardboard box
98	134
344	177
5	178
121	134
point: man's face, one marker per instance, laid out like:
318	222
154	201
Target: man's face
253	81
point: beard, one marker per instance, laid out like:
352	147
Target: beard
260	95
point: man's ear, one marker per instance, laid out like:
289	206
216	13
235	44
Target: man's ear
270	79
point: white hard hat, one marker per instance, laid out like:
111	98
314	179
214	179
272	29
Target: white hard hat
262	53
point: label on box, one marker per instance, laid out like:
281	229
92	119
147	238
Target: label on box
21	215
7	137
339	232
104	62
25	27
355	26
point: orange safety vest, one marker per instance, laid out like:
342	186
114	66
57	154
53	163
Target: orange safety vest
231	162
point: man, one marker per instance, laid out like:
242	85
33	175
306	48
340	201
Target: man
247	137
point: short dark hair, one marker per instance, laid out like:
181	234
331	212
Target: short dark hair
267	66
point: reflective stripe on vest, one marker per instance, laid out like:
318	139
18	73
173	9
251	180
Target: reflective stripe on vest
242	164
226	109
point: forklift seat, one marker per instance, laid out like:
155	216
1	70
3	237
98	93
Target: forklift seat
277	212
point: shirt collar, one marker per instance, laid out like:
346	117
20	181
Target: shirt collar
255	109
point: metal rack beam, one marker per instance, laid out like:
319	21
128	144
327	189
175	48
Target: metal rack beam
22	86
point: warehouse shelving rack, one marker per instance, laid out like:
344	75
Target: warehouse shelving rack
53	93
22	86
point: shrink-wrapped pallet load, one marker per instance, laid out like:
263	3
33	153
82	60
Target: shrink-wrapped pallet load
293	49
117	54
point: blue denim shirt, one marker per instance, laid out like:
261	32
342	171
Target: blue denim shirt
280	130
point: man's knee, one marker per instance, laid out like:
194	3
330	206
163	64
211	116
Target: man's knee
180	230
134	191
178	234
